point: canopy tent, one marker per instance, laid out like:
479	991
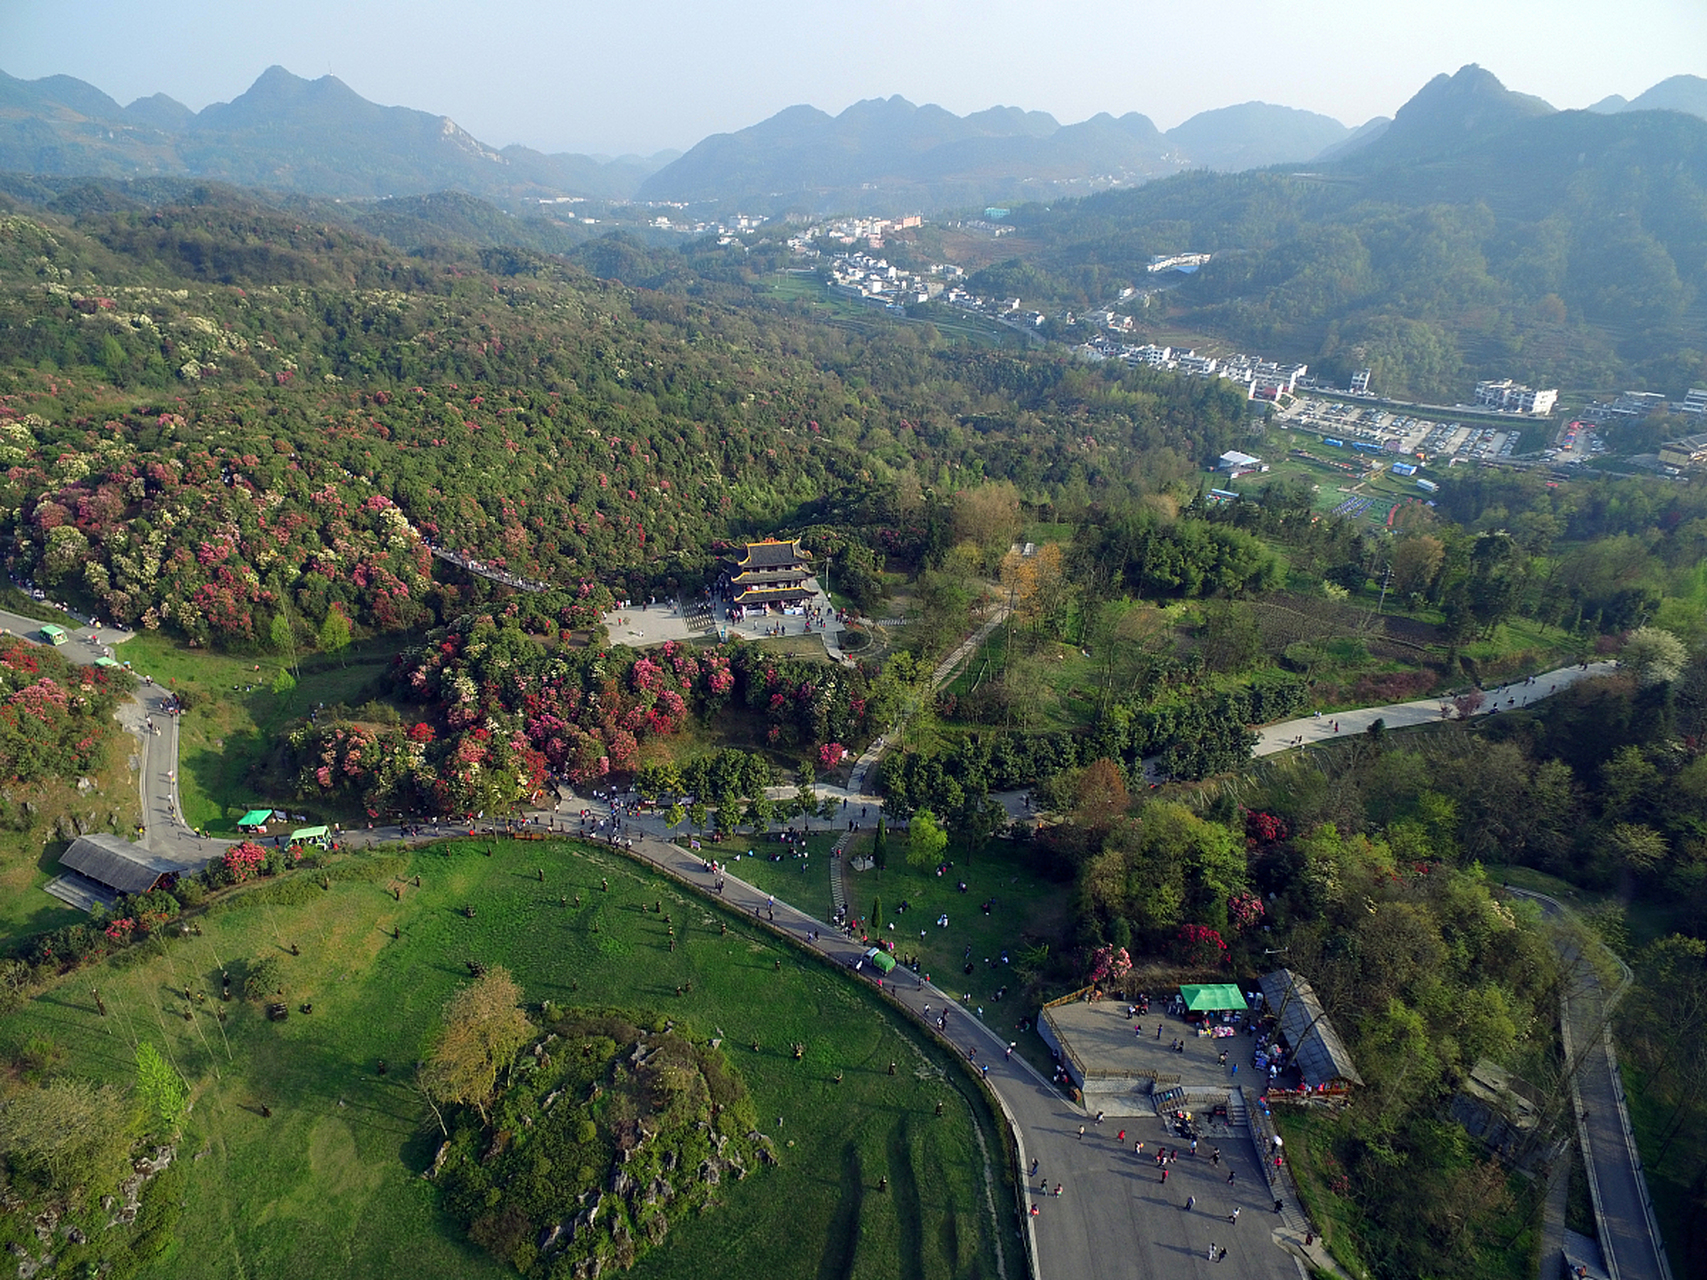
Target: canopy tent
310	835
254	818
1213	997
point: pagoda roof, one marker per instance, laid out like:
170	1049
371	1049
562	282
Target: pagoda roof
770	554
771	595
770	577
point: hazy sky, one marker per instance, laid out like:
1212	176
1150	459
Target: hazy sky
646	74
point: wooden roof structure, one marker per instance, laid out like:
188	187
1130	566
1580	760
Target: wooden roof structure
1316	1048
772	554
117	863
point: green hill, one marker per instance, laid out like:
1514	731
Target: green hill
1481	234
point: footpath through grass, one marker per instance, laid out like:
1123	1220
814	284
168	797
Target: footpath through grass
328	1185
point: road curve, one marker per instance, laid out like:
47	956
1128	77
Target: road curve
1115	1218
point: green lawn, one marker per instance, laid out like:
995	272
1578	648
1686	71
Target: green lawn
329	1184
1027	909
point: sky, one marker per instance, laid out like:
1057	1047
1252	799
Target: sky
645	75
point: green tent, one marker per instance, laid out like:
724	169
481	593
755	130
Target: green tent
1214	997
255	818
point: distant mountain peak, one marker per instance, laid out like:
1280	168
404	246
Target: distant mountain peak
1451	110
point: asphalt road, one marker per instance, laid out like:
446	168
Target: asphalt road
1285	735
165	832
1627	1237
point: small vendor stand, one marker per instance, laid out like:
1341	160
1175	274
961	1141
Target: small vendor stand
254	822
1211	1006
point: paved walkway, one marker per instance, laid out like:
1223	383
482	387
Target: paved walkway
1629	1236
1287	734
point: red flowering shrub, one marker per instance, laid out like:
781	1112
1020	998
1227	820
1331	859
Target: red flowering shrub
1108	964
242	861
1200	946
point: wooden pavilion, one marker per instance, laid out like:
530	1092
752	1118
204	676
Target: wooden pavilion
768	573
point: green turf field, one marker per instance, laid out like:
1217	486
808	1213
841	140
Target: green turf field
329	1185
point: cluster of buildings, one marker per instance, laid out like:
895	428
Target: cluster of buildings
1262	379
875	280
1640	404
726	232
850	231
1506	396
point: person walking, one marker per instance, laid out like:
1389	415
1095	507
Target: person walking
1234	1216
1212	1251
1057	1190
1099	1117
1081	1133
1164	1174
1190	1203
1121	1136
1231	1174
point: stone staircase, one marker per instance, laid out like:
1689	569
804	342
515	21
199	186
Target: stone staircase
838	873
1237	1116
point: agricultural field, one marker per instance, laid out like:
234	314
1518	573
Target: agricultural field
303	1156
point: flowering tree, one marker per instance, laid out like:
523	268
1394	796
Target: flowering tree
1109	964
1244	909
1200	946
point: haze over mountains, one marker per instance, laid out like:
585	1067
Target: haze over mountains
321	138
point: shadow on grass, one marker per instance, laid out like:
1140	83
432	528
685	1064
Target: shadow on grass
909	1211
842	1239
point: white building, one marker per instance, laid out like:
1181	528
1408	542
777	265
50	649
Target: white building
1511	397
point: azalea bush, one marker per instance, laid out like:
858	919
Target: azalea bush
1108	964
1200	946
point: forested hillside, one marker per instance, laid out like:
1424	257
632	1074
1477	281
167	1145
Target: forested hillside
216	414
1477	237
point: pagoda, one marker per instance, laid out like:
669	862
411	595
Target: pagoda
768	573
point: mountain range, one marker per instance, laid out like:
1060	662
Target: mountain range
316	137
1479	233
884	155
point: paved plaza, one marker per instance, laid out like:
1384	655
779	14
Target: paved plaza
1101	1041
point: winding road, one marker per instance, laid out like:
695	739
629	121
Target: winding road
1630	1240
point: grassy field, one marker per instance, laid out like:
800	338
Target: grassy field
329	1184
1026	909
29	857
